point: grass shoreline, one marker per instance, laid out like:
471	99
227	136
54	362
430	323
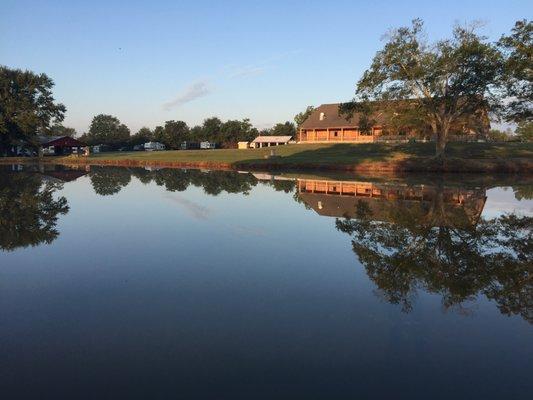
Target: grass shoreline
404	158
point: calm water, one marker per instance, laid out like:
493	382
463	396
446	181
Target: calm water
199	284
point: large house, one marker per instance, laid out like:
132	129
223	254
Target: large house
326	125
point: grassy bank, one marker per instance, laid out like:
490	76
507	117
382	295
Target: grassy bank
461	157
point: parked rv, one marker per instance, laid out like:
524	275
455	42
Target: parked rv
207	145
154	146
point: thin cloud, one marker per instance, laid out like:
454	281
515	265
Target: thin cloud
195	210
194	91
261	67
250	70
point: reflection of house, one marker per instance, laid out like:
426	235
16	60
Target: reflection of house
342	198
262	176
326	125
267	141
64	174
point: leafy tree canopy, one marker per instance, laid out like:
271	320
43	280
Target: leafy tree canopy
300	118
518	49
60	130
142	136
107	129
27	106
283	129
233	131
172	134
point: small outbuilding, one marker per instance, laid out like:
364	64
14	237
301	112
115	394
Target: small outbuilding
267	141
59	145
243	145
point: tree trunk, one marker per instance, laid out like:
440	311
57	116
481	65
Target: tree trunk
441	140
440	145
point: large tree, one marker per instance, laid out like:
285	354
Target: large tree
518	49
446	81
211	129
233	131
172	134
27	106
107	129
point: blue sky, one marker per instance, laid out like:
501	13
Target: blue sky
148	62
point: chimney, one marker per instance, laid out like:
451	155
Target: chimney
322	116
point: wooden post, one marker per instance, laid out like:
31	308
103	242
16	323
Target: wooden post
342	134
327	132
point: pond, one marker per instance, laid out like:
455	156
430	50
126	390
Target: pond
146	282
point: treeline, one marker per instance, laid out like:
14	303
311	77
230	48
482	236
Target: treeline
108	130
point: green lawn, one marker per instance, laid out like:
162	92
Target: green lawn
324	154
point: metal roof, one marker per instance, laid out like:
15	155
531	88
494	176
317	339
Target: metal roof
272	139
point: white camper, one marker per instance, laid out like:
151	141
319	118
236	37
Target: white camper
207	145
154	146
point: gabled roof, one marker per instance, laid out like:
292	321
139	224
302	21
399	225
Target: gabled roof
58	140
43	139
272	139
332	119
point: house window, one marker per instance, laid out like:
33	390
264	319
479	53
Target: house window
335	134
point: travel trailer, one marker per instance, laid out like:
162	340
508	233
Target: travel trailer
207	145
154	146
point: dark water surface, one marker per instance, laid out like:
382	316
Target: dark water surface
170	283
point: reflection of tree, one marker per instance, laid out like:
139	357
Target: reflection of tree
283	185
109	180
142	174
28	210
523	192
444	252
215	182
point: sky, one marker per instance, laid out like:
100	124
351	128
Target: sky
147	62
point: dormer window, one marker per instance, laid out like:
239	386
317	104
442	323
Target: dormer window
322	116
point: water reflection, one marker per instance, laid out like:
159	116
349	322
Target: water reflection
28	208
409	236
412	237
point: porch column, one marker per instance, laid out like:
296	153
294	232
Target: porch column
327	131
342	134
